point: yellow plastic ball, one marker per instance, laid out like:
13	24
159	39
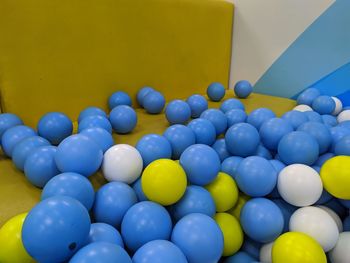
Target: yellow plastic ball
236	210
296	247
335	175
164	181
11	246
232	231
224	192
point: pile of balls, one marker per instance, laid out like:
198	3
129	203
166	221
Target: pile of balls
218	184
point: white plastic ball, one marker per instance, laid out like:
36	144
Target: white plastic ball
334	215
122	163
302	108
265	253
344	116
338	106
316	223
341	252
299	185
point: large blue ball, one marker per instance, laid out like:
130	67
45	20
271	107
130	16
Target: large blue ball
144	222
100	136
323	105
123	119
239	257
138	190
195	200
243	89
242	139
177	112
262	220
295	118
329	120
231	104
217	118
342	147
40	165
159	251
8	120
70	184
95	121
313	116
112	201
79	154
259	116
55	126
220	147
230	165
91	111
153	147
216	91
101	232
199	238
55	229
308	96
180	138
272	130
14	135
204	131
154	102
142	93
119	98
201	164
298	147
235	116
337	133
198	104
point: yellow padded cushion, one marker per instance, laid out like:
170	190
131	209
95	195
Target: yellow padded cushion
64	55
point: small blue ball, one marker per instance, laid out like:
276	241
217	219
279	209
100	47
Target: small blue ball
231	104
123	119
95	121
142	93
323	158
287	211
14	135
230	165
272	130
337	134
100	136
239	257
91	111
295	118
313	116
329	120
263	152
153	102
177	112
251	247
119	98
259	116
235	116
324	198
243	89
198	104
220	147
8	120
137	186
342	147
204	131
101	232
217	118
308	96
216	91
323	105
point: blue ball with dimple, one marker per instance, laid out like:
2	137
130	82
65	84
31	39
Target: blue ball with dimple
313	116
94	121
198	104
138	190
337	134
177	112
142	93
180	138
101	232
216	91
295	118
272	130
243	89
153	102
14	135
100	136
329	120
8	120
323	105
204	131
153	147
342	147
217	118
220	147
235	116
308	96
230	165
231	104
91	111
240	257
123	119
259	116
119	98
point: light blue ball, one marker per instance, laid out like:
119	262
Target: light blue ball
199	237
262	220
137	186
8	120
70	184
119	98
204	131
195	200
243	89
323	105
177	112
142	93
329	120
101	232
78	153
100	136
235	116
342	147
337	133
101	252
143	222
95	121
216	91
298	147
112	201
180	138
198	104
231	104
313	116
295	118
91	111
40	165
14	135
287	211
272	130
220	147
153	102
242	139
123	119
259	116
201	164
308	96
217	118
230	165
159	251
239	257
153	147
24	148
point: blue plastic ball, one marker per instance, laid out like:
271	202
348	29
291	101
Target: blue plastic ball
55	229
298	147
204	131
346	224
119	98
154	102
40	165
337	133
95	121
91	111
344	124
180	138
272	130
24	148
295	118
201	164
138	190
217	118
177	112
123	119
251	247
142	93
235	116
220	147
8	120
195	200
329	120
278	165
324	198
216	91
263	152
308	96
313	116
287	211
239	257
243	89
337	207
231	104
55	126
153	147
159	251
323	158
262	220
112	201
230	165
323	105
344	202
242	139
259	116
144	222
14	135
99	252
79	154
101	232
70	184
199	238
100	136
342	147
198	104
